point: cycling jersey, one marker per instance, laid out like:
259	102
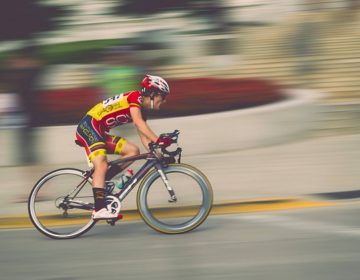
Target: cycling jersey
114	111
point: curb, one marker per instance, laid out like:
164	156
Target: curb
234	207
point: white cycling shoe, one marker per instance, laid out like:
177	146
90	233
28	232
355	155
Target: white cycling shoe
105	214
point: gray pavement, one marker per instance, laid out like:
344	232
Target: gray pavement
316	244
307	166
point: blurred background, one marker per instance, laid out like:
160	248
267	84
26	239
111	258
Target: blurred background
265	94
60	57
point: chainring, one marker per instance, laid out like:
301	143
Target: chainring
113	204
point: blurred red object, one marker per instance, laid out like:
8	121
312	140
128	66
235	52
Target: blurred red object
66	106
187	97
209	95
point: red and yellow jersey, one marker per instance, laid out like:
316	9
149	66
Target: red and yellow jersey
115	110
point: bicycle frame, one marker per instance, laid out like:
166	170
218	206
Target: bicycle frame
151	162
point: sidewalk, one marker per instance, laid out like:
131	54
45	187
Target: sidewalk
297	169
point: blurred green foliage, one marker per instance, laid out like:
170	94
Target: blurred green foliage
76	52
73	52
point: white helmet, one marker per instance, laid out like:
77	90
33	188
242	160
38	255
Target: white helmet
154	84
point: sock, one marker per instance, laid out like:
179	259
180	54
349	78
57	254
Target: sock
99	198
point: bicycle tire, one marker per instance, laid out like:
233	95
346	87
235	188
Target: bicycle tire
152	216
51	224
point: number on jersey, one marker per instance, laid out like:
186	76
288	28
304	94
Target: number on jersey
112	100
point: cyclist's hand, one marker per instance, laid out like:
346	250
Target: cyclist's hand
164	141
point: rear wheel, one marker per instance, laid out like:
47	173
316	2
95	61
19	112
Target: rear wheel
61	203
194	199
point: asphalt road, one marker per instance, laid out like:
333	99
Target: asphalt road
314	243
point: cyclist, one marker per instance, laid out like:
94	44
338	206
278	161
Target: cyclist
93	132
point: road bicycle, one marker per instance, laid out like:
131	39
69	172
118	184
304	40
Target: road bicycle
172	197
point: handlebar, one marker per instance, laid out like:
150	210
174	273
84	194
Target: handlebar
173	136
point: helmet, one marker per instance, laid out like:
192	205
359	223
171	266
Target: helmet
154	84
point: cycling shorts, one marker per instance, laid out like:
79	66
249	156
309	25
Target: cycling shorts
96	140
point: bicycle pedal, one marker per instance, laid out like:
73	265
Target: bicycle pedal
114	220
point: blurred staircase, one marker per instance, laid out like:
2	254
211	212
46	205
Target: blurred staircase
330	65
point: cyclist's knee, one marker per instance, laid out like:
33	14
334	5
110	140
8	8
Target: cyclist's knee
131	150
134	151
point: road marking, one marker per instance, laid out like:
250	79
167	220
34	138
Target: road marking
268	205
274	204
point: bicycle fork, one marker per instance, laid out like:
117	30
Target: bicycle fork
171	191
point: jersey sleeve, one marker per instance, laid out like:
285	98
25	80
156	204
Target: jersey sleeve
135	99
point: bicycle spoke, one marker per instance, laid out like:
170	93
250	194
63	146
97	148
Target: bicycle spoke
57	208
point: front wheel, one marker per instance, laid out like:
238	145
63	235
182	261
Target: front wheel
194	199
60	204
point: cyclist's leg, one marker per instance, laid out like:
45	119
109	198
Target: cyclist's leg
124	148
92	136
129	149
100	167
90	133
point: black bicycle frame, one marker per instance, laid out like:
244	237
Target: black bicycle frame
152	161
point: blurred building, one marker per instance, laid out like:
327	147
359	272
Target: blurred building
296	43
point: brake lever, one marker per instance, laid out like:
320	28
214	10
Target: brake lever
174	134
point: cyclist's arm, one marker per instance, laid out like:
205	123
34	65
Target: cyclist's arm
145	133
144	140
